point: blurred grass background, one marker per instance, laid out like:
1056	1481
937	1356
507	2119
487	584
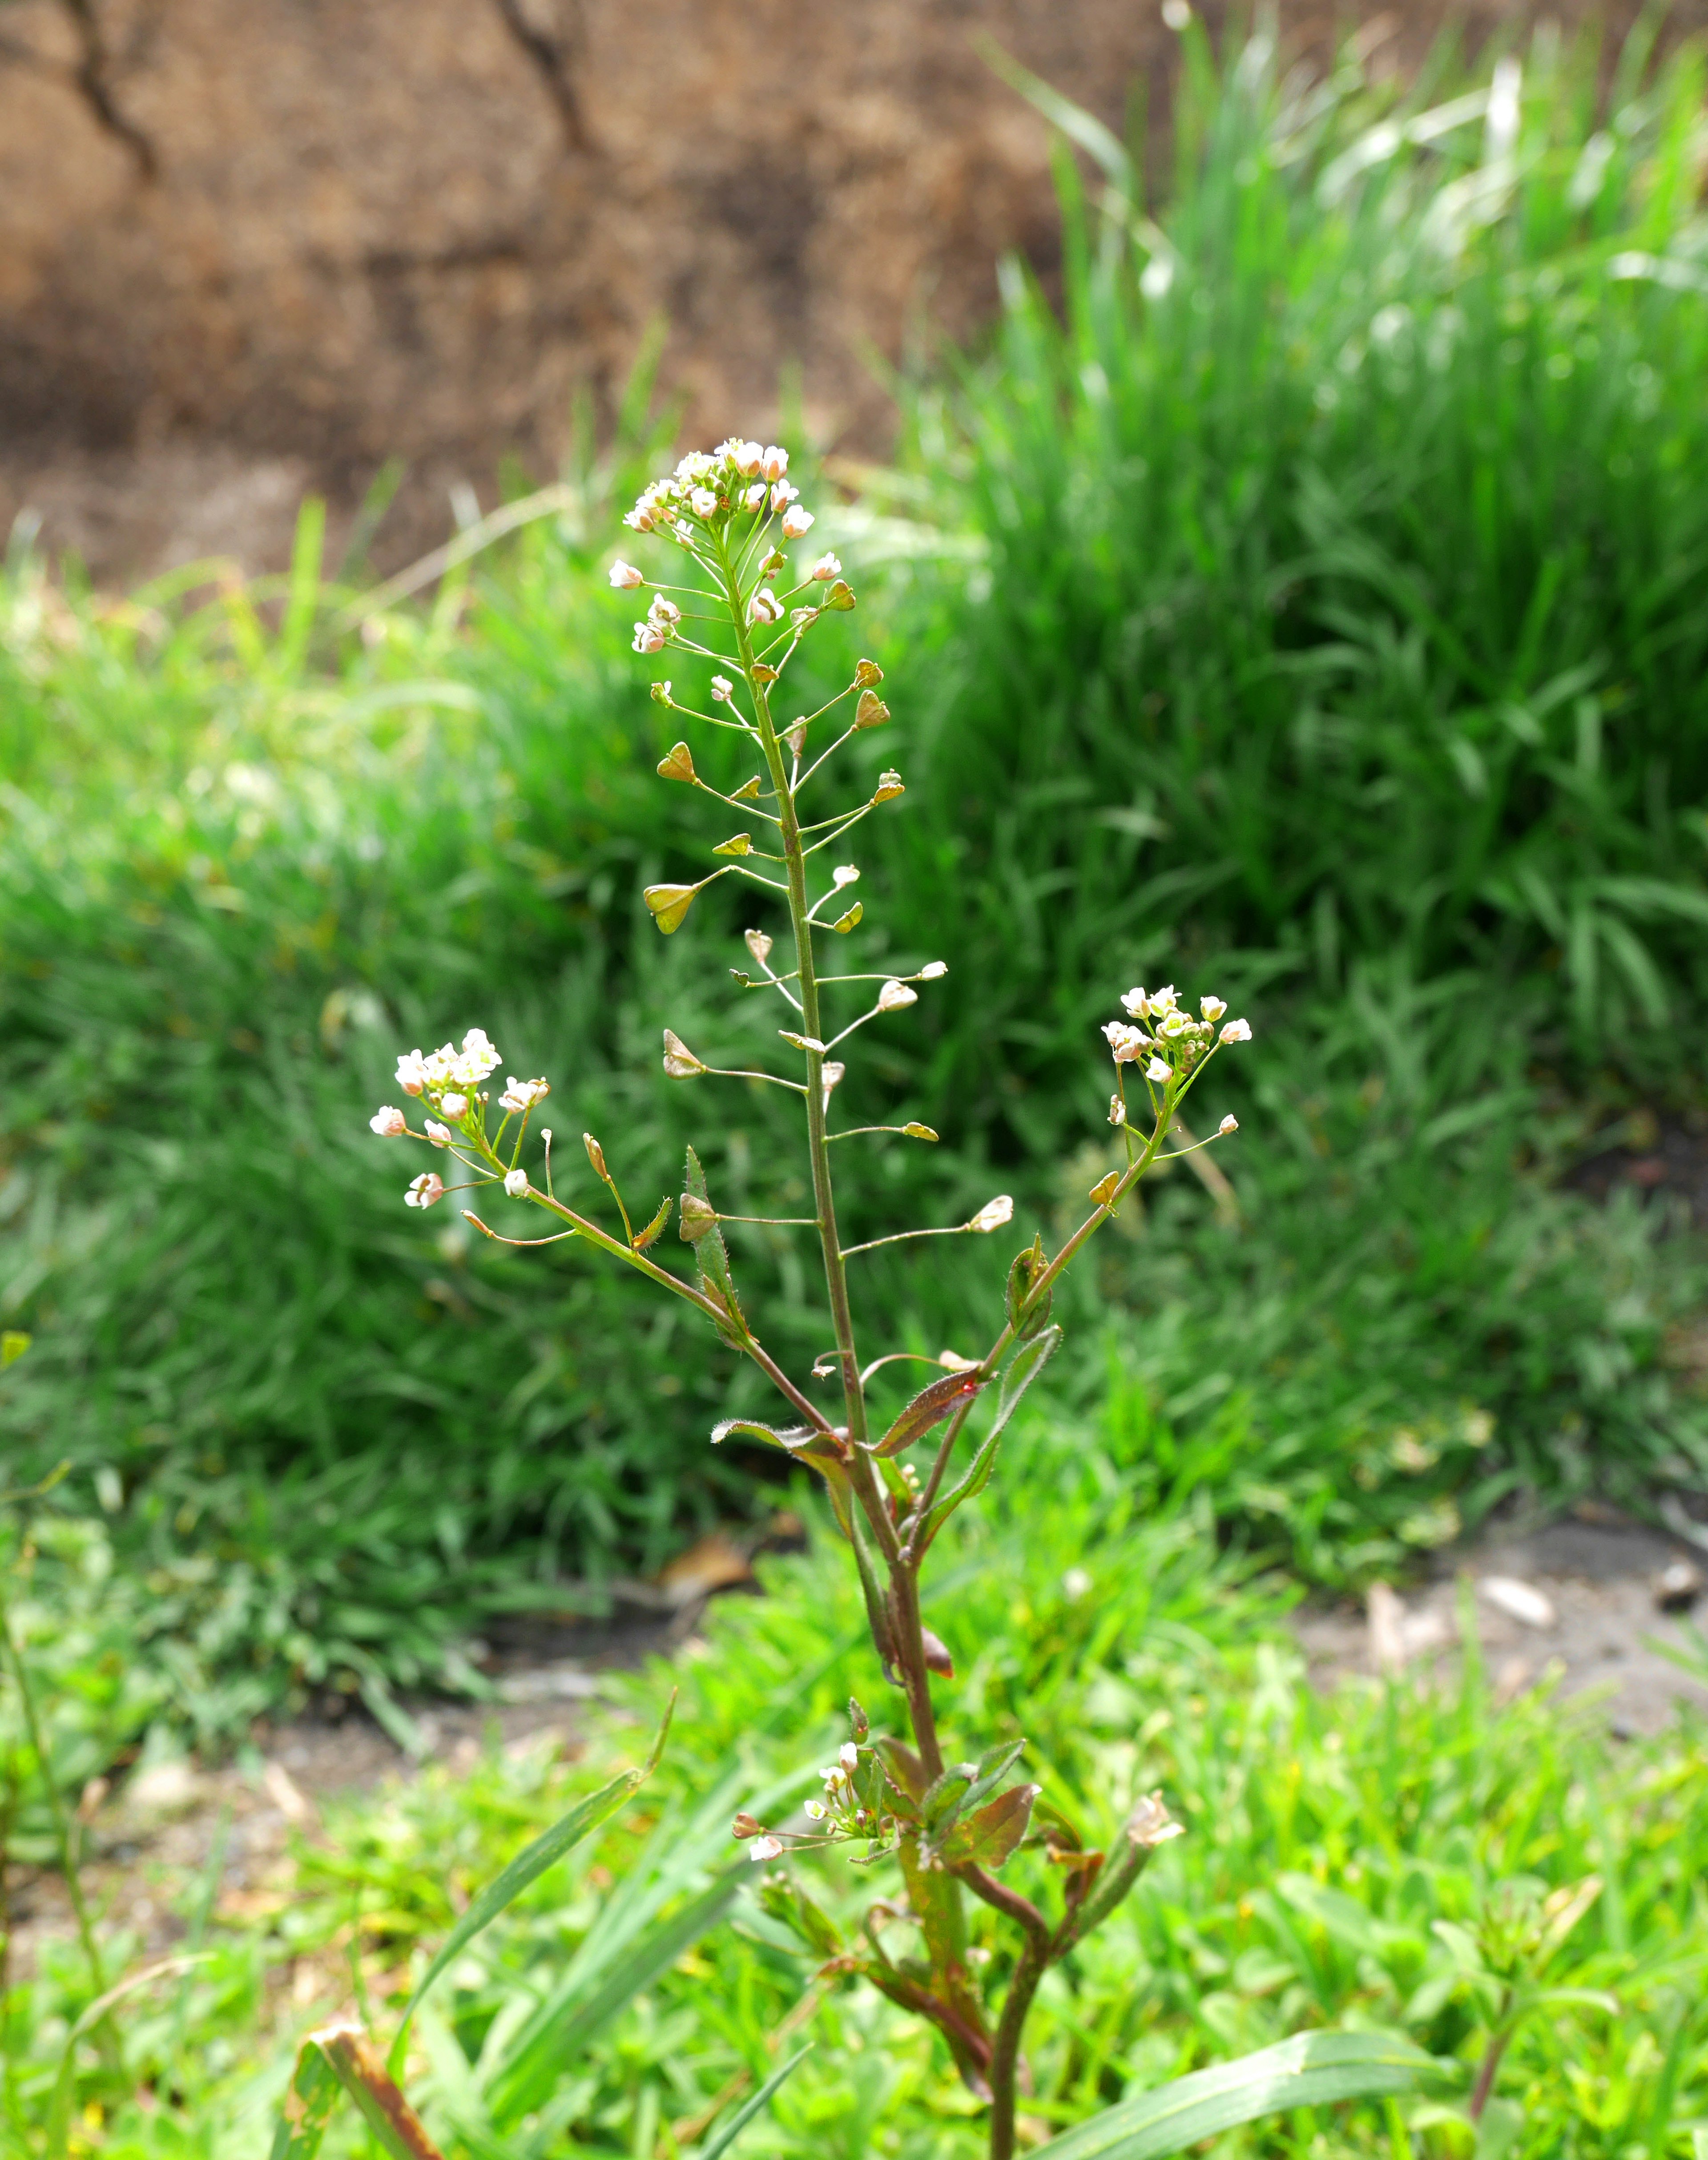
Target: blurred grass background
1310	601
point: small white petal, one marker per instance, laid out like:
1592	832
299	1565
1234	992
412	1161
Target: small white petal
515	1184
388	1122
624	577
1160	1071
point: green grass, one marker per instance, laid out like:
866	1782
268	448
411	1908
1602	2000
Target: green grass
1328	627
1334	1845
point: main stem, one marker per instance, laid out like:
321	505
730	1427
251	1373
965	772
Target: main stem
906	1639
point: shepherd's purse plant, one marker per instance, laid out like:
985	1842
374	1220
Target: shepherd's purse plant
728	602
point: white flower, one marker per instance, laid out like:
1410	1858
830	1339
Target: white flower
748	458
1213	1008
1133	1003
844	874
454	1106
815	1811
515	1184
894	995
754	496
848	1755
993	1214
389	1123
765	1848
427	1188
412	1072
702	502
775	463
721	687
825	569
833	1777
478	1058
1160	1071
1174	1023
1237	1030
797	523
783	494
1117	1111
1228	1125
624	577
662	611
523	1094
932	970
440	1135
648	638
1161	1001
1125	1043
764	607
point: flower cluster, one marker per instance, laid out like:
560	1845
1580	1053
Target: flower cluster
1177	1043
709	487
448	1079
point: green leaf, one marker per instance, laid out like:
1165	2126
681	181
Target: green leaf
929	1407
1309	2070
988	1834
530	1864
739	2122
308	2103
712	1255
58	2124
1023	1368
13	1345
655	1229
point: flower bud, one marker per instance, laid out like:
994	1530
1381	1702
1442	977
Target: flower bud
1117	1111
871	711
840	597
515	1184
993	1214
782	496
412	1072
721	687
678	763
825	569
894	996
663	612
938	1659
1159	1072
749	459
765	1848
755	497
775	463
1228	1125
679	1060
1213	1008
1133	1003
661	694
624	577
746	1826
389	1123
798	523
916	1131
454	1106
595	1156
829	1073
703	503
1237	1030
440	1135
858	1723
425	1189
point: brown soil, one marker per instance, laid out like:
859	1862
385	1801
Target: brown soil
245	249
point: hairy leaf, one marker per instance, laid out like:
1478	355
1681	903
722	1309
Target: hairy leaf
929	1407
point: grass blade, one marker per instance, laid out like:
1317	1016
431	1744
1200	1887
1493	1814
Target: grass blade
744	2114
1306	2071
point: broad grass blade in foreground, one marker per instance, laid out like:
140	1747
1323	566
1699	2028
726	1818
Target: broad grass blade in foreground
337	2055
1306	2071
529	1866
